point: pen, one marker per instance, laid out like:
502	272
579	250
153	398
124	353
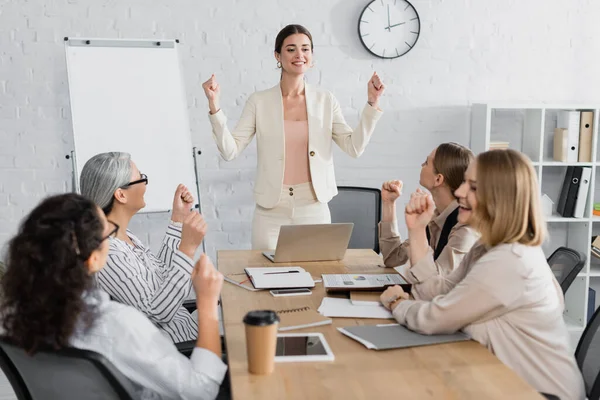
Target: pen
286	272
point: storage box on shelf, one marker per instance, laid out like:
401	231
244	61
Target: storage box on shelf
530	128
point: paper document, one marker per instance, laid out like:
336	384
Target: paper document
343	308
361	281
362	298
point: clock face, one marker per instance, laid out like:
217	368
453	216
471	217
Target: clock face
389	28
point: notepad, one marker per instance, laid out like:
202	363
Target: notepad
347	282
394	336
298	318
365	298
343	308
280	278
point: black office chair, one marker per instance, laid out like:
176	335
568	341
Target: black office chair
588	357
66	374
566	263
362	206
190	305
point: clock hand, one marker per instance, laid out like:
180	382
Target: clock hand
391	26
388	27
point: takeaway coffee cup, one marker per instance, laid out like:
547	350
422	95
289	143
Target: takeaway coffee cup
261	340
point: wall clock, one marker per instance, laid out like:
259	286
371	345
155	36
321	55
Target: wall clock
389	28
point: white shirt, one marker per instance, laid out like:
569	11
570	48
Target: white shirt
157	286
146	356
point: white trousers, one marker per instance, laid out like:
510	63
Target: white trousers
298	206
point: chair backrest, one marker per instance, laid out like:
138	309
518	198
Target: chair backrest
566	263
588	357
66	374
361	206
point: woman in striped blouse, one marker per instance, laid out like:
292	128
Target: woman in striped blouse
155	285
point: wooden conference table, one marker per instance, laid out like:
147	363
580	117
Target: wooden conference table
463	370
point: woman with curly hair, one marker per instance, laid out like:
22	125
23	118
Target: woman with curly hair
50	300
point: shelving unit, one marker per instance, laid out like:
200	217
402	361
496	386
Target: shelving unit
529	128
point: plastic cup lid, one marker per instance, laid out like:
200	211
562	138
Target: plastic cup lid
261	318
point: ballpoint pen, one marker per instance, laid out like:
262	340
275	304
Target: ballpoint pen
284	272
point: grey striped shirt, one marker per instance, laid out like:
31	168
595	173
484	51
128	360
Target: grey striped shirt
157	286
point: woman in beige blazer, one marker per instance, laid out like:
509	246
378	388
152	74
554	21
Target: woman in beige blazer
295	126
503	294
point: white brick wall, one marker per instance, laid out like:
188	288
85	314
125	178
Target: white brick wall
469	51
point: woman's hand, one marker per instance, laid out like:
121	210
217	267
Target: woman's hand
375	89
192	233
419	211
207	282
212	92
183	201
391	190
391	296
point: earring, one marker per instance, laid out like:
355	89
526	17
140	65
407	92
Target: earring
278	64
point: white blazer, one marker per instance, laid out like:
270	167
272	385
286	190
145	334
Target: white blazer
263	116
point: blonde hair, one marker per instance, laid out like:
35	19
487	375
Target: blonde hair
451	161
508	199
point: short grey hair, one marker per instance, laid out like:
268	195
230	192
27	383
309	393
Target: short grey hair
102	175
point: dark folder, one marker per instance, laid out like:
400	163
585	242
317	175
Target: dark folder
591	303
569	191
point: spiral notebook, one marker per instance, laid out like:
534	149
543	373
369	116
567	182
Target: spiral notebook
298	318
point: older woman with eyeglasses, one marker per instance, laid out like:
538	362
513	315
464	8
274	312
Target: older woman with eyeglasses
155	285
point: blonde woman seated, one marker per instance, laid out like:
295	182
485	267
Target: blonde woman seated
503	294
449	240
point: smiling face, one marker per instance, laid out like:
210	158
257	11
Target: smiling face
467	195
296	54
137	191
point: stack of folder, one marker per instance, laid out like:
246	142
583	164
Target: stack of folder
596	246
573	136
574	192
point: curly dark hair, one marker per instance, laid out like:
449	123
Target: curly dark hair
46	278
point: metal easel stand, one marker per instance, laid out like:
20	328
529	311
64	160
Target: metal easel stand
74	179
196	153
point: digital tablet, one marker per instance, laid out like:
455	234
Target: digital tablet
302	347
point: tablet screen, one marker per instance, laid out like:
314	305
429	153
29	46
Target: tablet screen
300	346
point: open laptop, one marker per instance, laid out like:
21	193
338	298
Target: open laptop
322	242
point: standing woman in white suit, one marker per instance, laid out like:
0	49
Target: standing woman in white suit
295	125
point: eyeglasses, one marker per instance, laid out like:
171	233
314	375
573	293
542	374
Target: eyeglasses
144	179
113	231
